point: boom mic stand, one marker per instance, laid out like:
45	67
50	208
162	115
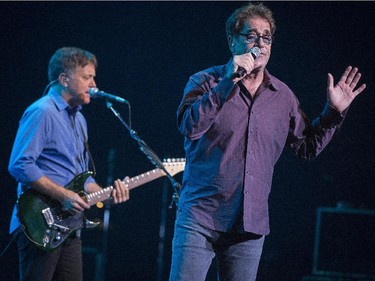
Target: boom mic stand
151	155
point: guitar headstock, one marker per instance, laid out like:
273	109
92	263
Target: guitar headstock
174	165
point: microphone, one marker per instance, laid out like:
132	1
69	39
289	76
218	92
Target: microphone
255	53
95	93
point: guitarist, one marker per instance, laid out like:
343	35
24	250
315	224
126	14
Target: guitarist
50	149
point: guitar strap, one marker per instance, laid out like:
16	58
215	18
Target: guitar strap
91	160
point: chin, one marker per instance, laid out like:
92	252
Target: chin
261	64
86	101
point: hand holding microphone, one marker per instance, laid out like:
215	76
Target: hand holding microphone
255	53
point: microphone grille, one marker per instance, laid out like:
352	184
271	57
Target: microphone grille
93	91
256	51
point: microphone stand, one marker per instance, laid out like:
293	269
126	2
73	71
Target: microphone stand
101	258
151	155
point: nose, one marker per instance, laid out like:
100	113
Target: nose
92	83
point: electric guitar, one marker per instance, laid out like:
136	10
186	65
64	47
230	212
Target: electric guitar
47	223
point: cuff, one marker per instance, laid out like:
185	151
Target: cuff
330	117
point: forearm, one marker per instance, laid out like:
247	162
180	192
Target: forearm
200	107
308	140
46	186
330	117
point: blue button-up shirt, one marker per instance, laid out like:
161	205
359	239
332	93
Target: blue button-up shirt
49	142
232	144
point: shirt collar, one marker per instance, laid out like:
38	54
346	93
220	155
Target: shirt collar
60	103
270	81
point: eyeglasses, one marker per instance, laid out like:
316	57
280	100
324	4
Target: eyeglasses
254	38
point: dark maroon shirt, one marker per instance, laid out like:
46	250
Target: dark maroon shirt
233	142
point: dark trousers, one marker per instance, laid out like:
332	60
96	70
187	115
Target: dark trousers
61	264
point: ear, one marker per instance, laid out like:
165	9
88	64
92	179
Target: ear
63	79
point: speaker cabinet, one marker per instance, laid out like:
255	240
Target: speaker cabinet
344	245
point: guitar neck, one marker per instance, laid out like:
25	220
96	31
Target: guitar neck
131	183
143	178
99	196
172	168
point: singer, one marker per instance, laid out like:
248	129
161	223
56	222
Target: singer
235	128
50	150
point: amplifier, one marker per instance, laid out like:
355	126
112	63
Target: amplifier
332	278
344	245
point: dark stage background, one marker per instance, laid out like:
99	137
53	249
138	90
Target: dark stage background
146	52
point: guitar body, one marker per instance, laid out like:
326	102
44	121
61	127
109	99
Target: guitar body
44	220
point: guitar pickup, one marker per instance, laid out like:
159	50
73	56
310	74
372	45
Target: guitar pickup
48	216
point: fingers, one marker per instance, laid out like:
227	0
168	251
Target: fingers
244	61
343	93
120	192
75	204
81	204
360	89
346	75
247	62
351	77
330	81
355	80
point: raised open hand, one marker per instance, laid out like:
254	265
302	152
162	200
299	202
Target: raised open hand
341	95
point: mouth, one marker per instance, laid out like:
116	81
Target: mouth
262	55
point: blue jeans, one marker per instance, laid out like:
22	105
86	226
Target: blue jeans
194	247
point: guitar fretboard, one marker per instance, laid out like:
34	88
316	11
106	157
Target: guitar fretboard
172	167
99	196
143	178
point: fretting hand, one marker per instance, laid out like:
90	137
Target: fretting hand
120	192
